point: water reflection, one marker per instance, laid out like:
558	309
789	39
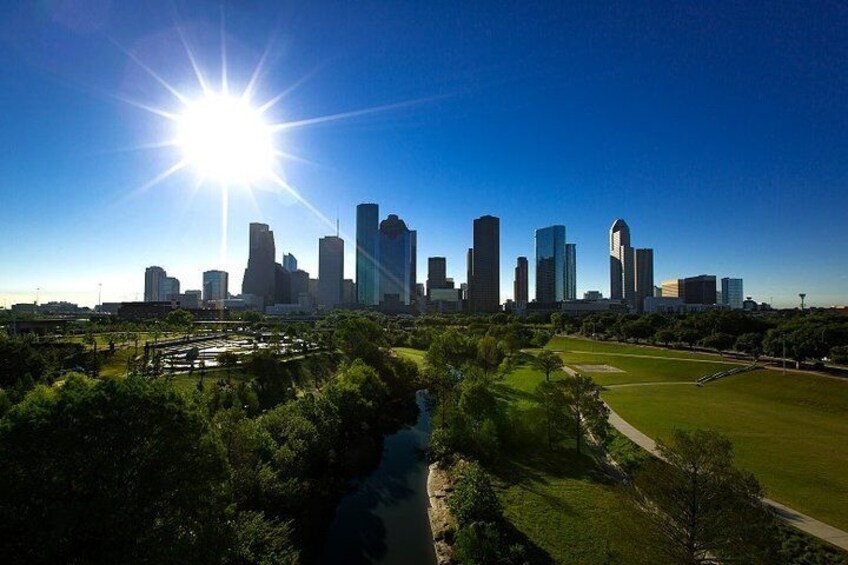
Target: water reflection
384	520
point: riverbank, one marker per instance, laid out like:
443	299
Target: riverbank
439	486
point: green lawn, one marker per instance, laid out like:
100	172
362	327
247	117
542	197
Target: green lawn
416	355
561	343
560	500
790	431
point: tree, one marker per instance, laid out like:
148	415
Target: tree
700	507
637	329
555	404
750	343
179	319
121	470
587	410
473	498
228	360
665	336
489	354
547	362
719	341
360	338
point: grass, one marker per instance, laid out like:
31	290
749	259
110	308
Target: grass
559	500
415	355
564	343
790	431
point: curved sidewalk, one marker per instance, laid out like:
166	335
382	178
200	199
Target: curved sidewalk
808	524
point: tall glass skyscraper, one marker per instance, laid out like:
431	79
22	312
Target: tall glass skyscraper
731	293
622	276
367	254
215	285
330	270
570	271
485	283
259	276
397	256
550	264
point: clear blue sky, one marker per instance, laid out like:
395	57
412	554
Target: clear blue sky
719	131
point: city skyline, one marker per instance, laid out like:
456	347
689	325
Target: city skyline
530	149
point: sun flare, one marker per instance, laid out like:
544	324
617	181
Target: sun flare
226	140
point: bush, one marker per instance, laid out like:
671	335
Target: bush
473	498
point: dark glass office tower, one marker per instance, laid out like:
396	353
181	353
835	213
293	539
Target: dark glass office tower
260	274
397	255
520	286
643	264
437	273
330	270
550	264
367	260
485	285
570	271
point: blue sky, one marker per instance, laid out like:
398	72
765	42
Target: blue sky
719	131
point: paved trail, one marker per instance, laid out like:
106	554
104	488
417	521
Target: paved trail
805	523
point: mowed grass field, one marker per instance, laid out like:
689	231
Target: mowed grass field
558	499
790	431
413	354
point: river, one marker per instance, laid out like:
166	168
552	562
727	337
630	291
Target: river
384	519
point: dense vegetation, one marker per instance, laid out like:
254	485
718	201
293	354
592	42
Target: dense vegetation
239	472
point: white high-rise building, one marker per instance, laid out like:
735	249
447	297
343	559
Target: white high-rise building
153	277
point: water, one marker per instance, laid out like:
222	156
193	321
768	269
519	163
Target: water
384	520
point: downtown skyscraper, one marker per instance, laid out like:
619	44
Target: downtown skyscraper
397	252
485	265
556	266
622	276
330	271
643	265
520	284
367	260
260	274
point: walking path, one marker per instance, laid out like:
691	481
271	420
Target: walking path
805	523
652	384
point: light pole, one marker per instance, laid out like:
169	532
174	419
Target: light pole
99	294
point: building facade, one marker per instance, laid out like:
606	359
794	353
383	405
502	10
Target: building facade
643	264
152	281
330	271
521	284
672	288
486	265
732	294
260	274
396	250
169	288
437	273
550	264
367	254
215	285
699	290
622	283
290	262
570	271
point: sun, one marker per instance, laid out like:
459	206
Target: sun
225	139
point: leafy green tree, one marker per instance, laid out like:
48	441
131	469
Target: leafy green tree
228	360
720	341
665	336
587	410
179	319
555	404
110	471
263	541
360	338
637	330
474	498
548	362
700	507
839	354
750	343
489	354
